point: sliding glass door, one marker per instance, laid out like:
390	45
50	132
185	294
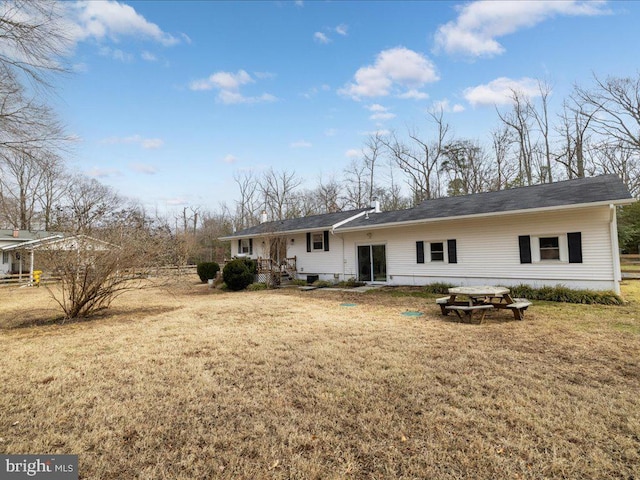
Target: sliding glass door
372	263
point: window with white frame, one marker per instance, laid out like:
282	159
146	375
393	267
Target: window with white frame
549	248
437	251
564	247
317	240
5	257
245	246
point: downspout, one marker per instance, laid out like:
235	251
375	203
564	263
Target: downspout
342	238
615	249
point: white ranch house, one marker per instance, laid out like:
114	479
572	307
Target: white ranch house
563	233
17	247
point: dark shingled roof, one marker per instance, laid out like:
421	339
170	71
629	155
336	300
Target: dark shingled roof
312	222
605	188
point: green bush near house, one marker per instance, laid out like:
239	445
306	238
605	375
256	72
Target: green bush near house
207	271
254	287
239	273
560	293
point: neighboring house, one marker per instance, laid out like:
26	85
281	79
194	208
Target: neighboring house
17	249
559	233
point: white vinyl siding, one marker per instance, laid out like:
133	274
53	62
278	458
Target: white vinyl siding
327	264
487	248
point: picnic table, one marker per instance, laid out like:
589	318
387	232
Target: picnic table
465	301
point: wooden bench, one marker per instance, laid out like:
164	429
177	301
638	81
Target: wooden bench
468	311
518	307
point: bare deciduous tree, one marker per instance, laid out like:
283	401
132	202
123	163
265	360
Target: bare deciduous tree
248	204
541	117
356	184
575	121
519	119
617	101
465	163
373	149
420	160
93	272
278	192
88	205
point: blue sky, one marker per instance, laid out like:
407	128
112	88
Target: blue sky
169	99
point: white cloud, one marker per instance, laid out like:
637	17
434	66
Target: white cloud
382	116
330	132
115	20
479	24
342	29
230	159
144	168
80	67
321	38
147	143
300	144
229	84
152	143
414	94
380	112
223	81
445	106
376	107
353	153
396	68
97	172
116	54
500	91
148	56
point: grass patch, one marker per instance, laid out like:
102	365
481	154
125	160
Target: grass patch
289	384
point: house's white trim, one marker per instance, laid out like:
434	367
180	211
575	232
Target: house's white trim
615	249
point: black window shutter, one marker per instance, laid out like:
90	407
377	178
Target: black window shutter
326	240
308	241
239	246
420	252
452	251
575	247
525	248
251	246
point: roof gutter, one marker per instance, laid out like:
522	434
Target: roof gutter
489	214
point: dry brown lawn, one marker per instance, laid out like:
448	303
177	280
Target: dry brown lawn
190	383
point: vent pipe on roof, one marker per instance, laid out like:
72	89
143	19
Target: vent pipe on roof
375	204
16	233
263	216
